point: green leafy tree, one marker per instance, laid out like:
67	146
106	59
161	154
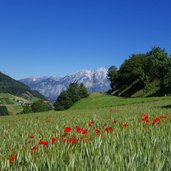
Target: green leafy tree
63	101
167	82
133	69
26	109
73	94
112	75
160	66
83	92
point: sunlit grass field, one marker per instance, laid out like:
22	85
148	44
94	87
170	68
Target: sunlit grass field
98	133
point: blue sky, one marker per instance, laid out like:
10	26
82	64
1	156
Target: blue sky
59	37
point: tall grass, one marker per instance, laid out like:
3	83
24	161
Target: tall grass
139	146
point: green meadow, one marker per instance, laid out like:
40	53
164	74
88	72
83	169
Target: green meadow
98	133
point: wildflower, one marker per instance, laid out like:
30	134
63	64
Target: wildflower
81	131
91	123
54	140
72	140
124	125
145	118
43	142
97	131
115	121
67	129
84	132
31	136
109	129
156	120
12	158
34	149
162	117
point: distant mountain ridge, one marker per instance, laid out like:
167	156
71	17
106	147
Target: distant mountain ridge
14	87
51	87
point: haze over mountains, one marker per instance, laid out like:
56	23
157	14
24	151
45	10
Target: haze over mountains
51	87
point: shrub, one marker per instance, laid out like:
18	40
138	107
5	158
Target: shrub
3	110
38	106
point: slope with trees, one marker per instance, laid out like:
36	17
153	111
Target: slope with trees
148	73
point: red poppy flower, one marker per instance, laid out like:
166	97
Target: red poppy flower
54	140
81	131
78	129
97	131
34	149
156	120
12	158
145	118
91	123
124	125
31	136
67	129
109	129
74	140
84	132
162	117
64	140
43	142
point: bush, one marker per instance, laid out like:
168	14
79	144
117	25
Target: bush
26	109
38	106
3	111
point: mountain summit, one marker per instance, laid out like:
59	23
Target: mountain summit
51	87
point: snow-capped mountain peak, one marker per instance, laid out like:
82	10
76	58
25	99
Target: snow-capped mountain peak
51	87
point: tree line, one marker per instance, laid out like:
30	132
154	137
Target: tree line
140	71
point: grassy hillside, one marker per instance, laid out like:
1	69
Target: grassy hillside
9	85
105	136
13	103
98	101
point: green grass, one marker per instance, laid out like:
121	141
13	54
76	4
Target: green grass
140	146
98	101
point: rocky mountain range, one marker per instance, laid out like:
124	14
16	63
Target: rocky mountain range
51	87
